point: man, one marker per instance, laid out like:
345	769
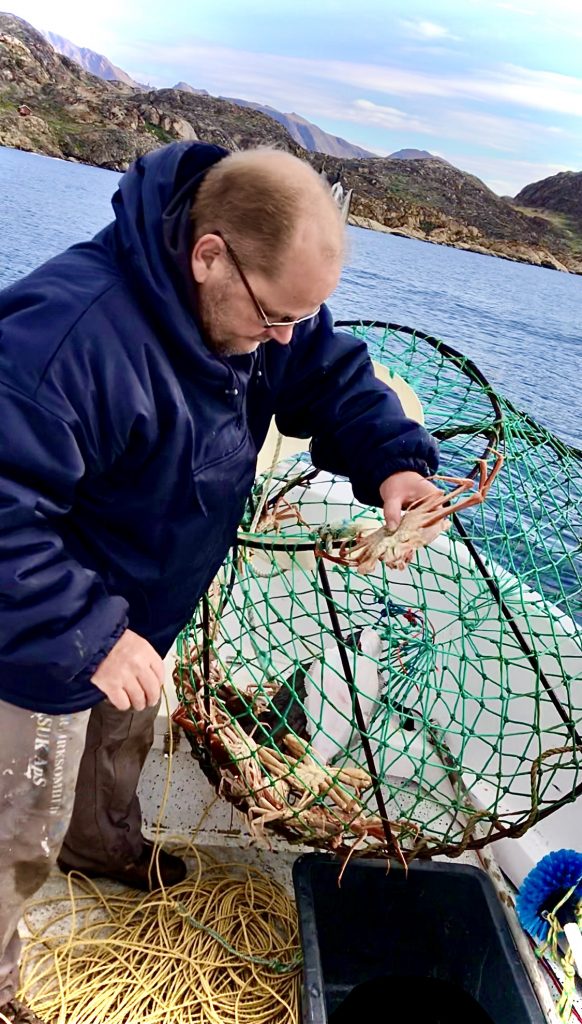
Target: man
138	376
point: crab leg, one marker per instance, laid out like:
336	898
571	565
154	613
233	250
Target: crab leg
478	496
463	484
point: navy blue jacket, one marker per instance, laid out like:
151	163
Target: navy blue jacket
127	448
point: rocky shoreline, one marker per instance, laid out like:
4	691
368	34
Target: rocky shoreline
520	254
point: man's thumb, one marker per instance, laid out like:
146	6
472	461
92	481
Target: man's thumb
392	513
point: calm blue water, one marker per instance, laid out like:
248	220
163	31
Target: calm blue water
520	324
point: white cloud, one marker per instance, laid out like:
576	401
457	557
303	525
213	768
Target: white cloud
426	29
506	177
537	89
509	134
386	117
506	134
540	90
97	26
534	8
526	12
264	75
224	71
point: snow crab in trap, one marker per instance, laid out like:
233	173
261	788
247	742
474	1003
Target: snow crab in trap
420	525
275	516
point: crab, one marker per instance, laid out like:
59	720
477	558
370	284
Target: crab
276	515
420	525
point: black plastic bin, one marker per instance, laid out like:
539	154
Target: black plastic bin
434	946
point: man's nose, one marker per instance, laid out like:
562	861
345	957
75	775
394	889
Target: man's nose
282	334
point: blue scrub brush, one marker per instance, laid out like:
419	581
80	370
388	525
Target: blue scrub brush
549	899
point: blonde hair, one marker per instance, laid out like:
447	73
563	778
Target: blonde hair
258	199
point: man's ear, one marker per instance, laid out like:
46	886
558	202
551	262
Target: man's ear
207	249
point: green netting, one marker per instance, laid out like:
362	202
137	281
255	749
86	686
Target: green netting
406	712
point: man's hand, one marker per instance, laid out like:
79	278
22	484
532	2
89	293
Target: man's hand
400	490
132	674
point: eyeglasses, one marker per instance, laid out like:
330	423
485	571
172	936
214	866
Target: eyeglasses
259	309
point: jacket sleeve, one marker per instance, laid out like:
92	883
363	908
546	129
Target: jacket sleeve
357	424
56	619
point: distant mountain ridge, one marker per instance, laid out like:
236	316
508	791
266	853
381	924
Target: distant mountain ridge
307	134
88	59
413	154
190	88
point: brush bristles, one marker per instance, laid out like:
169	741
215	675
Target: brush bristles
554	876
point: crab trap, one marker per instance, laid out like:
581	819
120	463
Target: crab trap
399	695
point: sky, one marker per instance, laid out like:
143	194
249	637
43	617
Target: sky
494	87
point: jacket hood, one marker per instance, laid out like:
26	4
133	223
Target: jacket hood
153	235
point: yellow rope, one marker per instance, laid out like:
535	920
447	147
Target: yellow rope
222	947
267	483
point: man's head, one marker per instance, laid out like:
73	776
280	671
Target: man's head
268	248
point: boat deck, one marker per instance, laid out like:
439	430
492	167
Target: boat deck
192	807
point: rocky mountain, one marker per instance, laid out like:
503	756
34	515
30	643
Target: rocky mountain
190	88
412	154
49	104
93	62
431	200
561	193
559	200
214	120
307	134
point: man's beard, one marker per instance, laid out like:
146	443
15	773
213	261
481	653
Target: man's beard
217	334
